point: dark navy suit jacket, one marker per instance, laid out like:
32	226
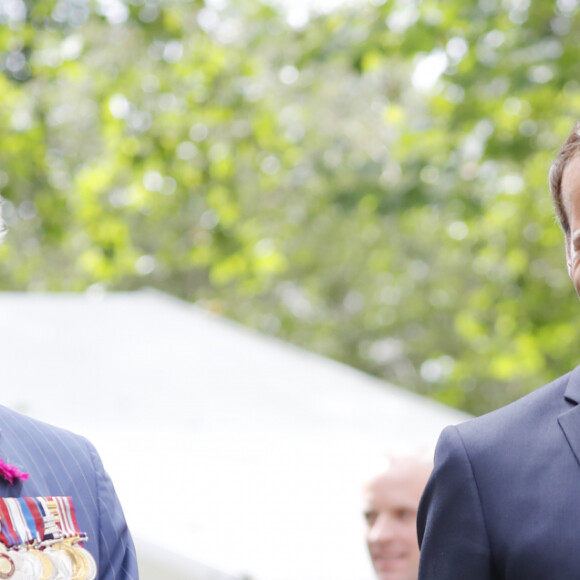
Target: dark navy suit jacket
503	501
61	463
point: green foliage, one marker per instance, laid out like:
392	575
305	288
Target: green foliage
318	182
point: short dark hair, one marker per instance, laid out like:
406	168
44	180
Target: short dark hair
569	149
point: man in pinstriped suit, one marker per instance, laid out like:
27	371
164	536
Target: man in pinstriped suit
59	463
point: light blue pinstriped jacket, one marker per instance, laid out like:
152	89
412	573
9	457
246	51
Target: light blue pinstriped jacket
61	463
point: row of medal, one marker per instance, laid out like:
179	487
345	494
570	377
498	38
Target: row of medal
40	540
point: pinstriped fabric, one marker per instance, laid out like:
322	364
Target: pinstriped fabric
61	463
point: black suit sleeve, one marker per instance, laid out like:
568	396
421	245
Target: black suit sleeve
451	526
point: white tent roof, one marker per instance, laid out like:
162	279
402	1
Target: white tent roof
248	450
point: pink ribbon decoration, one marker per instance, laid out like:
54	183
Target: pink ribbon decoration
10	473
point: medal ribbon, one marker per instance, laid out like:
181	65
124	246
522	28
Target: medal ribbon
51	529
36	515
21	523
8	533
24	520
29	518
67	517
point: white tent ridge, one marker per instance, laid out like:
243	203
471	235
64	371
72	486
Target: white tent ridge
253	450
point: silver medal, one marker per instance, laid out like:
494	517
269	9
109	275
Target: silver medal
24	567
62	564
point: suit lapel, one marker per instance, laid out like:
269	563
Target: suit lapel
570	420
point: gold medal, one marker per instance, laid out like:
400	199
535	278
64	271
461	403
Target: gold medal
92	565
80	566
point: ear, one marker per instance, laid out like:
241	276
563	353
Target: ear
568	255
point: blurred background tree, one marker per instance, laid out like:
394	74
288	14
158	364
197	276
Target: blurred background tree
369	183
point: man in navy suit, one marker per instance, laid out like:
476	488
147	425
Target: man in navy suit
503	499
37	459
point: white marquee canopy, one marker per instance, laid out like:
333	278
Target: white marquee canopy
231	451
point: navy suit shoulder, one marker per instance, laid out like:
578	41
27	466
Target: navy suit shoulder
500	503
541	405
17	428
60	462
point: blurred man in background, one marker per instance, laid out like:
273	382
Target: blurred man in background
391	498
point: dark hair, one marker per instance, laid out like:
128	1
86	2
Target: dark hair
569	149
